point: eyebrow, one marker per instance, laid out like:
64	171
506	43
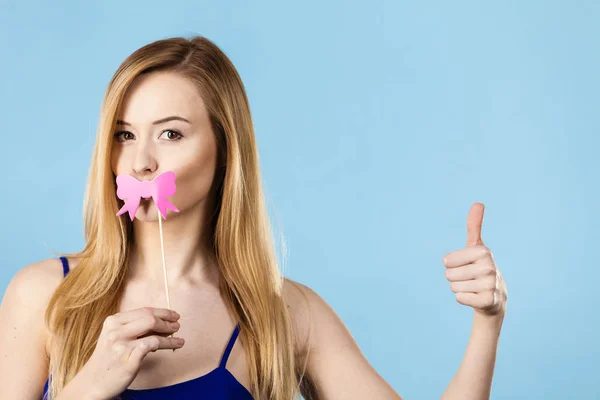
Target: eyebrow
159	121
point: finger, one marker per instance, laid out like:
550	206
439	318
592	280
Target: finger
470	271
141	347
152	333
465	256
474	285
146	324
125	317
477	300
474	224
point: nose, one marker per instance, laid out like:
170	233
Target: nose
144	161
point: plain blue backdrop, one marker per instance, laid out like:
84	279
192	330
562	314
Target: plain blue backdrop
378	124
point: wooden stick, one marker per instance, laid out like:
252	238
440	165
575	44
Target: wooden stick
162	249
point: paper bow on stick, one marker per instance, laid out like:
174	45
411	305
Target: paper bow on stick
132	191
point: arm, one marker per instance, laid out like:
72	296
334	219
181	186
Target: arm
473	380
23	359
76	390
478	283
336	368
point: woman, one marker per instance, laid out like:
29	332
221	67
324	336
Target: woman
179	105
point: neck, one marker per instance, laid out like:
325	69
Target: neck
189	259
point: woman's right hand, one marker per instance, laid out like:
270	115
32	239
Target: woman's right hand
125	340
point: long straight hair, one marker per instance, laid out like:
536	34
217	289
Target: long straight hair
241	236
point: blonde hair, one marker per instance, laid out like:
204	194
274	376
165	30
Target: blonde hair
241	238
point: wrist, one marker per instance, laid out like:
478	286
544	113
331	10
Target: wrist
488	322
80	388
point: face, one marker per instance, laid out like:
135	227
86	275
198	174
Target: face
163	126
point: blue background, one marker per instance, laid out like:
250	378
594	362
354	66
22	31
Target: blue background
378	123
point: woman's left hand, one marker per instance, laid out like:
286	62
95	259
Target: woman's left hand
472	273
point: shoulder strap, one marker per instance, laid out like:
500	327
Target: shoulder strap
65	264
234	336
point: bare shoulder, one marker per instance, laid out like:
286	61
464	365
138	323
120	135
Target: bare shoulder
33	286
336	366
315	321
36	282
296	297
48	268
23	332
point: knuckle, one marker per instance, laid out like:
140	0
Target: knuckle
118	348
109	321
148	311
151	320
153	343
112	336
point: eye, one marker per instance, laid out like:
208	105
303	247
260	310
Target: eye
172	135
121	136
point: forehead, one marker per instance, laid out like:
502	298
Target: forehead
161	94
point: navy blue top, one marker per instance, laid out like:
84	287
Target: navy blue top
218	384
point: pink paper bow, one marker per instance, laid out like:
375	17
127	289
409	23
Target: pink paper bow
131	190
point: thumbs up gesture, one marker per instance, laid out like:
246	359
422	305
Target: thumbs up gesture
472	273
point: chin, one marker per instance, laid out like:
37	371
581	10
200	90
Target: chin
147	212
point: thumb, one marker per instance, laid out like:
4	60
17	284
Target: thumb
474	223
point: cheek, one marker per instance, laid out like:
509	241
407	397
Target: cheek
195	173
117	160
